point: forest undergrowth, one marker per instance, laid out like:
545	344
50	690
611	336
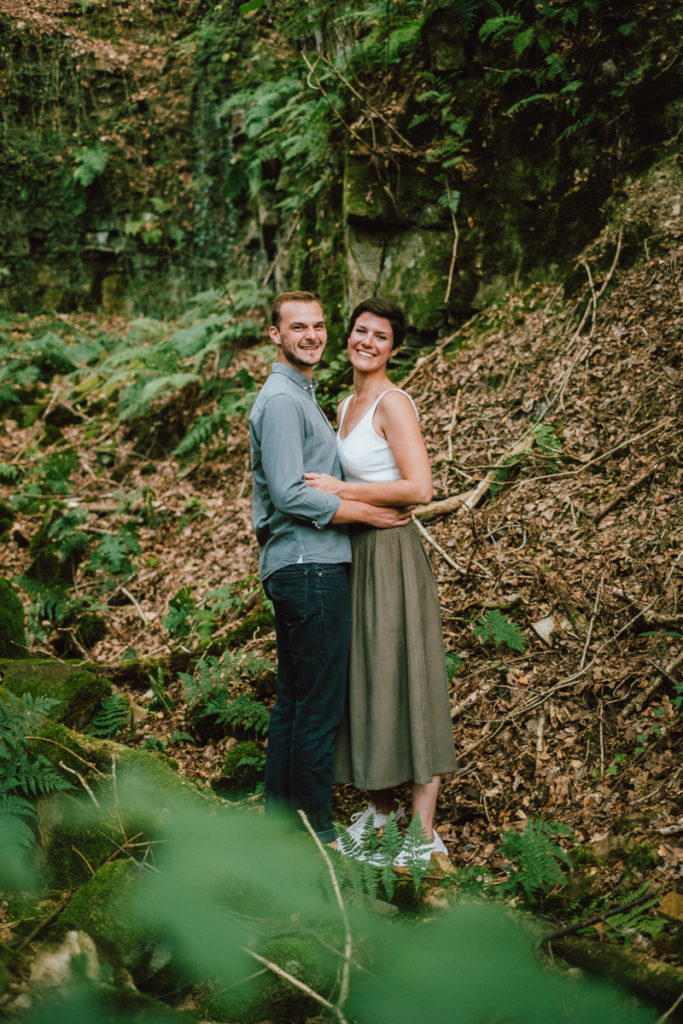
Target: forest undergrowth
553	423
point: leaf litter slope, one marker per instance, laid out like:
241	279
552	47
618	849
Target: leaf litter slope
576	540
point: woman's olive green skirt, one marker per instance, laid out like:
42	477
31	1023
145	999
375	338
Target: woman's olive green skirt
397	726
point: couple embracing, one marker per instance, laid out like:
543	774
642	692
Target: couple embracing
361	688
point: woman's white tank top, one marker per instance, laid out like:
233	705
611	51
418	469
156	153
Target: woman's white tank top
365	456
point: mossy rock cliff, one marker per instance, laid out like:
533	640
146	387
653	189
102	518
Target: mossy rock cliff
12	635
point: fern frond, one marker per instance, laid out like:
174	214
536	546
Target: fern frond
22	771
204	428
22	716
415	840
16	837
537	856
113	716
242	710
496	28
49	603
135	402
497	627
390	845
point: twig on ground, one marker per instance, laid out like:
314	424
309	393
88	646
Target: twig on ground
672	1009
592	306
436	351
133	601
454	254
348	938
82	781
666	422
641	698
469	499
470	699
590	625
571	929
28	939
71	753
428	537
610	640
301	985
539	740
623	495
451	425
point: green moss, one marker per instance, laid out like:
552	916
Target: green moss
583	855
153	782
71	848
415	269
46	566
641	857
101	909
7	518
364	196
12	635
58	743
267	997
79	691
260	620
88	629
240	774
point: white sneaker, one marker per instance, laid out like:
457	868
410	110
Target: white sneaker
359	820
420	852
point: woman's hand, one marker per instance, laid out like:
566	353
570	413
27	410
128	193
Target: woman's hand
323	482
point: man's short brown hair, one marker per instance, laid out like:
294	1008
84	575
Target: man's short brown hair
290	297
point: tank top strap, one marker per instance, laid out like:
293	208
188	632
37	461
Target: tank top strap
342	410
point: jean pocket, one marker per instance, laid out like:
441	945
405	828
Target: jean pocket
288	589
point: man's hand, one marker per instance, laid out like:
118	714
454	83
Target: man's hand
379	516
385	518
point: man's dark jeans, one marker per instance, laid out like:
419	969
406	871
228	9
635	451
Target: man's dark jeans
312	625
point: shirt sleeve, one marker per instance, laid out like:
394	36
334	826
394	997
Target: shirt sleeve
282	457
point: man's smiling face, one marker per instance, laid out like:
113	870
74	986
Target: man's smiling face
301	336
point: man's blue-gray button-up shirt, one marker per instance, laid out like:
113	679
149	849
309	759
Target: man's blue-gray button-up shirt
290	435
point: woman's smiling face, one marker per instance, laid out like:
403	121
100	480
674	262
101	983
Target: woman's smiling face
371	342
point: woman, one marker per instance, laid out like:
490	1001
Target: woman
398	726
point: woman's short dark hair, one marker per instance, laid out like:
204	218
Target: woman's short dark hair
386	309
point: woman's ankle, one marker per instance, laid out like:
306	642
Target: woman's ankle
385	802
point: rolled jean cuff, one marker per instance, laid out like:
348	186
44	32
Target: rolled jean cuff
328	836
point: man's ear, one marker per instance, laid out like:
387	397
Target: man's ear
274	334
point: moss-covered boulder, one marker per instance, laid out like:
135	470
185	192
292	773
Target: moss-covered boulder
12	635
79	633
79	691
102	909
266	996
117	793
74	842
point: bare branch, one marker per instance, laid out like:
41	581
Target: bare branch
348	944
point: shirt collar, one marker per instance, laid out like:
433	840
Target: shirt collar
305	383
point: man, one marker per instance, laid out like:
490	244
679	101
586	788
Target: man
304	560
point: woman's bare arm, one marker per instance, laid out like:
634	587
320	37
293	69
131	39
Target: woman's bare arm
395	420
